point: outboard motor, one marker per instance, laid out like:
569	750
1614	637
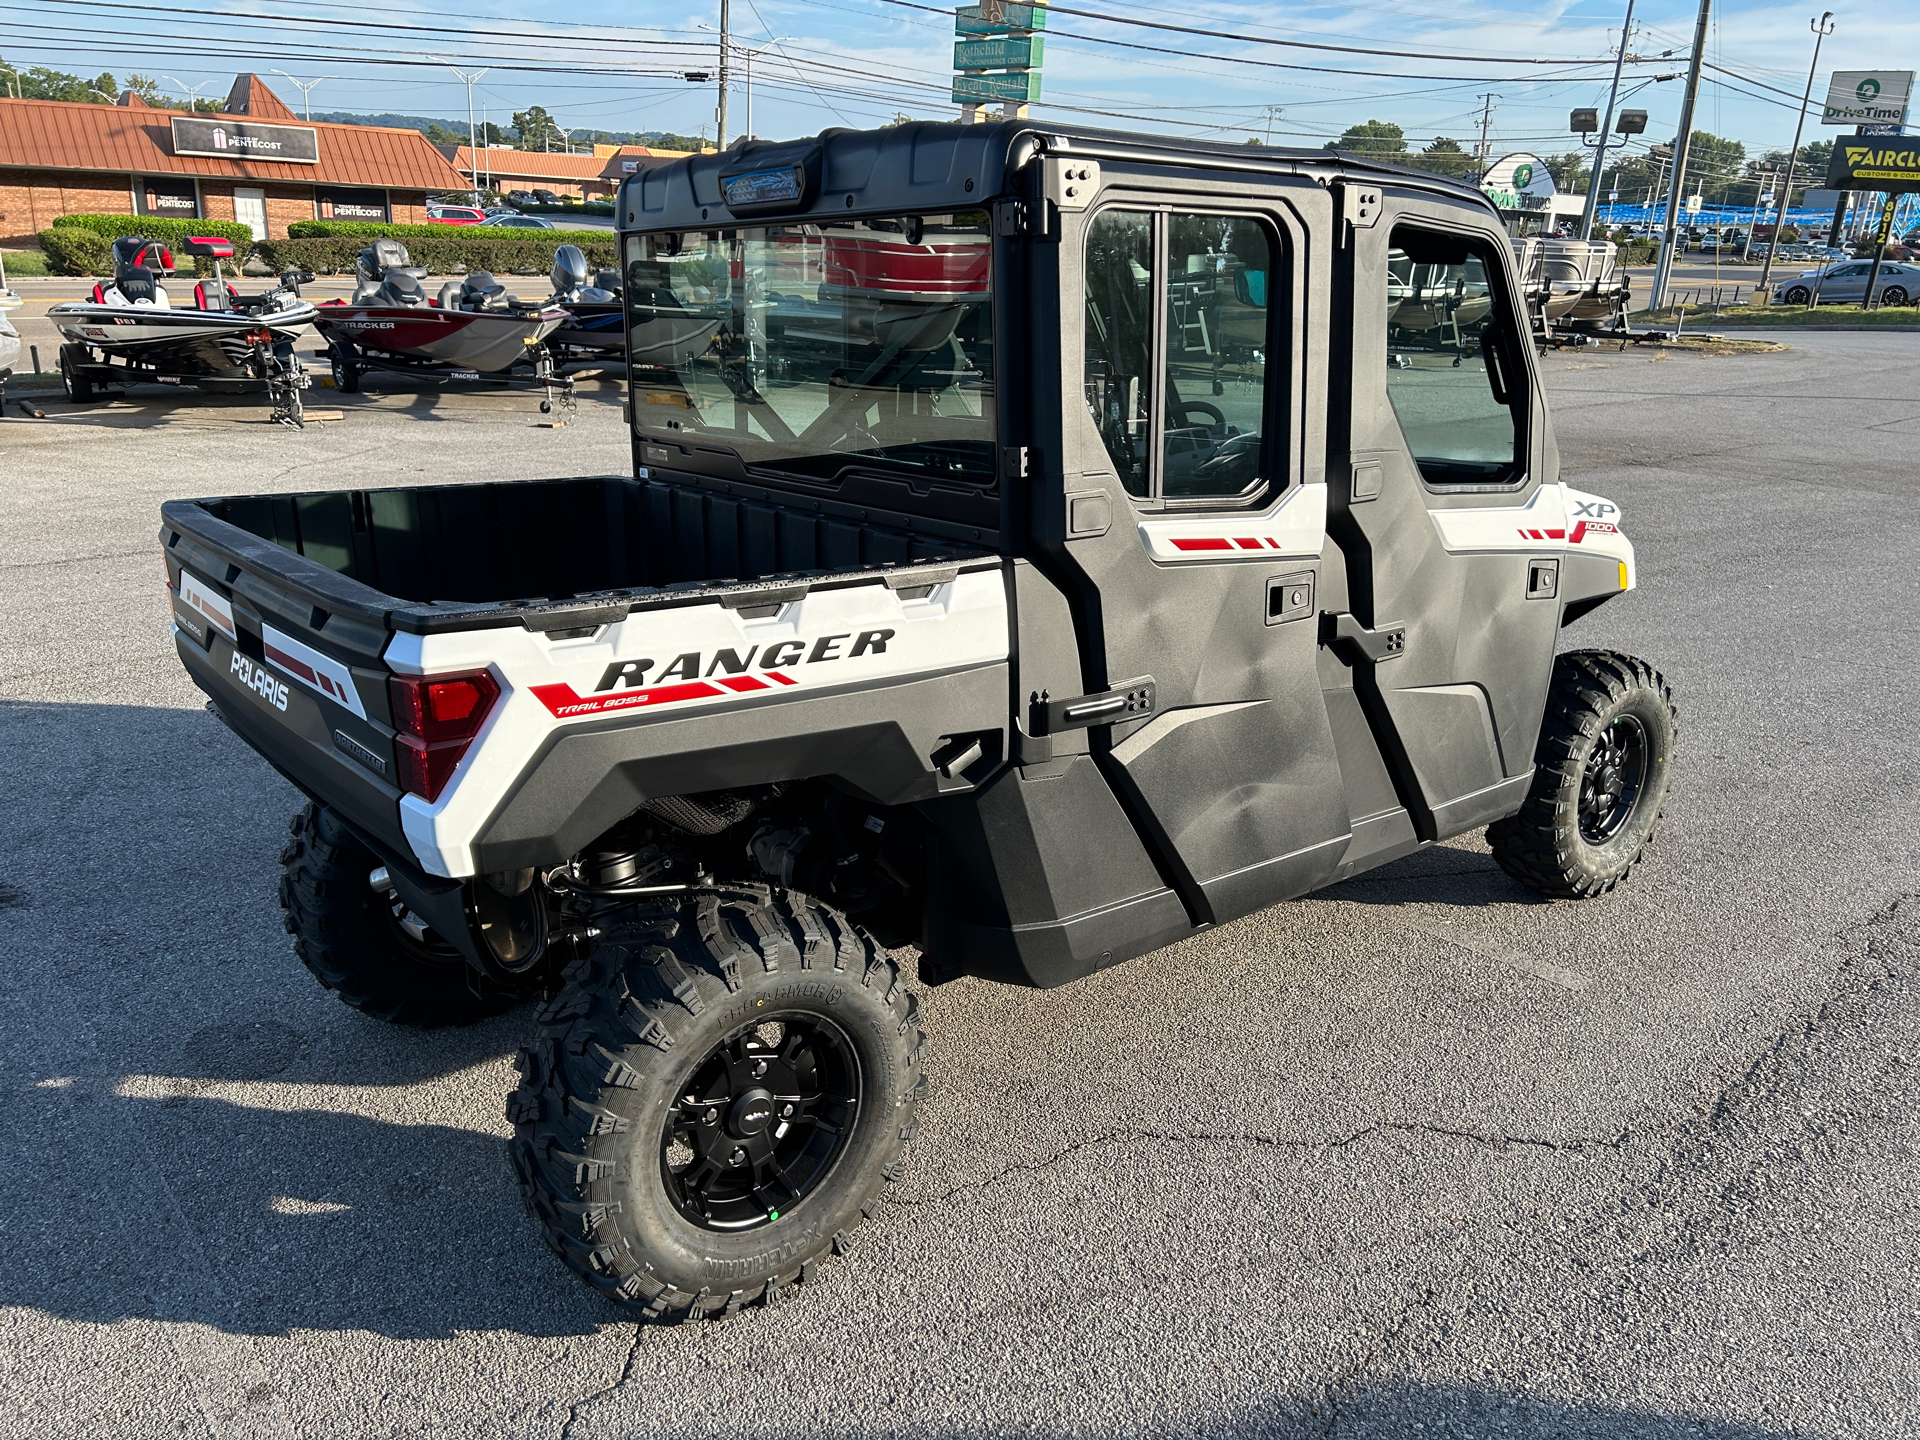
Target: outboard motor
388	276
569	272
569	277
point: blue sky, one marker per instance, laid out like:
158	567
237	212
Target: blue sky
859	62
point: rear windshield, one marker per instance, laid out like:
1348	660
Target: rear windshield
821	350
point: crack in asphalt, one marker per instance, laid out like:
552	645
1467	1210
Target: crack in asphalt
575	1409
1114	1138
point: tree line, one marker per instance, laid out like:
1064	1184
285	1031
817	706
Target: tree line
1718	169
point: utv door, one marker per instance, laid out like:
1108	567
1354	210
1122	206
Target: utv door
1451	608
1192	521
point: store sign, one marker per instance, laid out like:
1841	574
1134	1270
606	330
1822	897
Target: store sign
229	139
1869	163
1867	97
337	203
171	196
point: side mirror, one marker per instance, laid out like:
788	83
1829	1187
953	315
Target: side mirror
1250	288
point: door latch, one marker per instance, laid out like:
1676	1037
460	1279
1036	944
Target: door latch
1129	700
1347	634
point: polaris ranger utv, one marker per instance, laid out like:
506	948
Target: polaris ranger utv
1042	545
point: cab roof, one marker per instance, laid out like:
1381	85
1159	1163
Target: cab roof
931	168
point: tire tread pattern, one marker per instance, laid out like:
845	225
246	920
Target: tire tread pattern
1540	846
640	976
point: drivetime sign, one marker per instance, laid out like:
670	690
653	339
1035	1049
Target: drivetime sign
1867	97
229	139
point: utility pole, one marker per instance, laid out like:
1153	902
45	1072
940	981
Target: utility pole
1600	155
305	87
726	48
1274	112
1681	144
473	148
1486	121
1822	28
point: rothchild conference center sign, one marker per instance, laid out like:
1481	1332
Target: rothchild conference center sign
225	138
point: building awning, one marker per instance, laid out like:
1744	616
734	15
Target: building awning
139	140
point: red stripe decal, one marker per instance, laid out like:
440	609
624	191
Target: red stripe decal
1247	544
1578	531
288	663
566	705
1556	534
743	683
783	679
1210	544
1273	542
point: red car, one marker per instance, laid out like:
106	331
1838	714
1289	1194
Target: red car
456	214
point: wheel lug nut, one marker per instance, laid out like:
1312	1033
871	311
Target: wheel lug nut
759	1068
739	1157
786	1112
713	1117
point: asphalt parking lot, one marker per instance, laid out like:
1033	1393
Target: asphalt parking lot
1417	1156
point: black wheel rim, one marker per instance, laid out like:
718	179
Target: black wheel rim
761	1122
1615	774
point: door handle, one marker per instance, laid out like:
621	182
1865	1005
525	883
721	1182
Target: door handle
1130	700
1346	633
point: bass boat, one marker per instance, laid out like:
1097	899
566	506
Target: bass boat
131	331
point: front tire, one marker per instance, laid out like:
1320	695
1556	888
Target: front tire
346	374
713	1100
1894	295
359	940
79	387
1604	761
1798	295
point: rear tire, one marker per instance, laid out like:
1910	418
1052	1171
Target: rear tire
1604	761
759	1007
1893	295
1798	295
350	936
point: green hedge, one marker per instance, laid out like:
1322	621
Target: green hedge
168	231
369	230
72	250
442	253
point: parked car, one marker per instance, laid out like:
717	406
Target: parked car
1846	284
513	220
456	214
546	197
521	197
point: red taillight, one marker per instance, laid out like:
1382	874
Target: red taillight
437	717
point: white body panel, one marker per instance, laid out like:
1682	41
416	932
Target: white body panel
1556	518
1295	525
696	658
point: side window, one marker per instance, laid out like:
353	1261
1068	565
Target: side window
1454	373
1118	361
1175	359
1216	327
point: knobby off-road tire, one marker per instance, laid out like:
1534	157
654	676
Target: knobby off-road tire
347	934
1604	762
648	1126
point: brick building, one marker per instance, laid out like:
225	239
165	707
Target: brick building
590	177
58	158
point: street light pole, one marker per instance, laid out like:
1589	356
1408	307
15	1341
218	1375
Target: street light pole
726	46
1821	28
305	87
1600	154
192	92
1681	144
473	149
